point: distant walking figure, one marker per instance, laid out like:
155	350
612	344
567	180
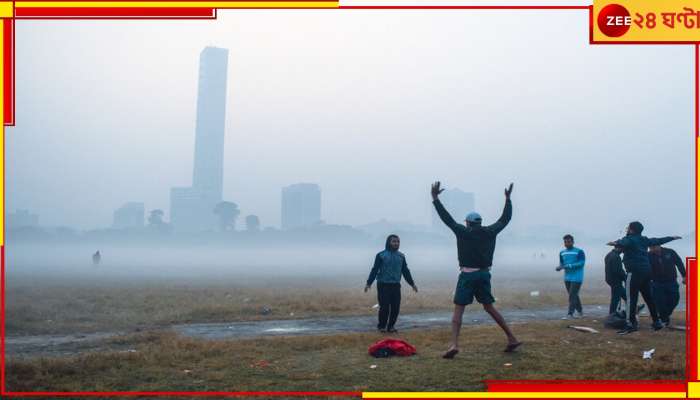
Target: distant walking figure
96	258
571	260
636	259
389	266
475	247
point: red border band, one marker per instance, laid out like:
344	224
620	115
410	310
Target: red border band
589	386
131	12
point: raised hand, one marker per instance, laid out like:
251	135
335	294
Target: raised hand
508	191
435	190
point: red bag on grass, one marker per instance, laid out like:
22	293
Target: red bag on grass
389	347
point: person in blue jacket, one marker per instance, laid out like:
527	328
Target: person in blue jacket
389	266
572	260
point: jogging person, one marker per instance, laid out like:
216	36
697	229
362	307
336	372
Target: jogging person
664	281
389	266
572	260
475	247
615	276
634	247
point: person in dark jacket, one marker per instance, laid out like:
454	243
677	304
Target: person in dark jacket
475	246
615	276
389	266
636	260
664	281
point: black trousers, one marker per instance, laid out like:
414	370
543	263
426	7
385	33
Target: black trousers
389	296
639	282
574	301
617	293
666	297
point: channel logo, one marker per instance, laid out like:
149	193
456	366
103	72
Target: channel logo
614	20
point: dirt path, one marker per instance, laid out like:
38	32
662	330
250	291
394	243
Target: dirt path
62	345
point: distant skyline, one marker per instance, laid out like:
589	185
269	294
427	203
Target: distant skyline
371	105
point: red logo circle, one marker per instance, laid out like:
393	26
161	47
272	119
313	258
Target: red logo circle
614	20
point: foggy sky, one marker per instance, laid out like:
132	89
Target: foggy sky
371	105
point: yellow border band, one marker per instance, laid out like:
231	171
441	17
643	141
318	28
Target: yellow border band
7	9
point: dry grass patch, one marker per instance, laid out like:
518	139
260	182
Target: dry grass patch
165	361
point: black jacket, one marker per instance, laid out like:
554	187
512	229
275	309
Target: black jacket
475	244
614	273
635	249
663	266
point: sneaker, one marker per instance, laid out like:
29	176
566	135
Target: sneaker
568	316
392	330
657	325
578	314
627	330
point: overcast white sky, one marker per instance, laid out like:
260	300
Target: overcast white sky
372	105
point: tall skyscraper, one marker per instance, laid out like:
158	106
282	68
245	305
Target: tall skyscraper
130	215
191	208
458	203
301	205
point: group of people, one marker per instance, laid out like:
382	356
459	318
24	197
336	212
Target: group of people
649	269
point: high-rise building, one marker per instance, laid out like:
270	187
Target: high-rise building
130	215
22	219
301	205
458	203
192	208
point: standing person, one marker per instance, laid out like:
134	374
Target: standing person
389	266
475	247
615	276
636	259
664	281
96	258
572	260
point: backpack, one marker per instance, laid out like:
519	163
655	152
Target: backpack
618	319
390	347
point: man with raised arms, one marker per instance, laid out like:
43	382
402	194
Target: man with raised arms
475	247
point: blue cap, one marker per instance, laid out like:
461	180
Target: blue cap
473	217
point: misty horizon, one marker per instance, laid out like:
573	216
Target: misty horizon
373	131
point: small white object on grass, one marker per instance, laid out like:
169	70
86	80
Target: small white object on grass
375	306
583	329
535	293
647	354
507	365
373	366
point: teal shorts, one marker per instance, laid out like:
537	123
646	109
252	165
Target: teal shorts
474	284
